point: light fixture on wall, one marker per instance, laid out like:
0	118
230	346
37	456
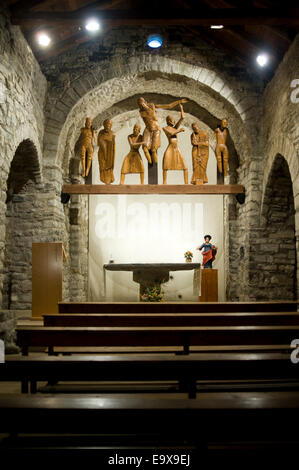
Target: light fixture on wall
64	197
240	198
92	25
217	26
262	59
154	41
43	39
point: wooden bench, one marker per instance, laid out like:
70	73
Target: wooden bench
176	307
154	336
168	319
213	417
215	429
186	370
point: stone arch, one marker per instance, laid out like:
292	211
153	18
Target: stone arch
91	106
78	211
282	145
274	255
24	168
109	85
22	185
27	137
127	107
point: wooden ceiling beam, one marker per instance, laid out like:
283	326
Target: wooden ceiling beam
23	6
183	17
218	4
99	5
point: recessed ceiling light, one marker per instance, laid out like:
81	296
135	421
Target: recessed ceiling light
155	41
262	59
92	25
43	39
216	26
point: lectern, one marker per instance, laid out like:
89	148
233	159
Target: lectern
47	266
209	285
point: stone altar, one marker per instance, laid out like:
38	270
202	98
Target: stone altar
151	274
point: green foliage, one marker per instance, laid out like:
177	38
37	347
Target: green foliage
153	294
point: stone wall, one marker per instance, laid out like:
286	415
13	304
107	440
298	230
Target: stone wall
22	97
7	330
273	242
272	245
30	208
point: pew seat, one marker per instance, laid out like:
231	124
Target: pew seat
176	307
154	336
222	417
186	370
168	319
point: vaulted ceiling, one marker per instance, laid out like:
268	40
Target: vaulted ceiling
250	27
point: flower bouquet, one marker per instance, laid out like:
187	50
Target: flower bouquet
153	294
188	256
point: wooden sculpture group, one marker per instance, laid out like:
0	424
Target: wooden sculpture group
150	142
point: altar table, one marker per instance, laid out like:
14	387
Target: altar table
151	274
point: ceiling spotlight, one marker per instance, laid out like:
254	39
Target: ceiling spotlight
43	39
262	60
155	41
92	25
216	26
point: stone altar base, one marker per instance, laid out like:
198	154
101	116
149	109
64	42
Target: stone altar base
209	285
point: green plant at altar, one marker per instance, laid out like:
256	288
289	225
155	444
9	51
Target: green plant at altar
153	294
188	255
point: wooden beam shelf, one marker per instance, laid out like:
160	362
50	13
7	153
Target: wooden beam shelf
153	189
162	17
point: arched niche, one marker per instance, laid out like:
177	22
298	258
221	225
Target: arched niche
151	228
274	256
78	210
21	208
117	96
117	92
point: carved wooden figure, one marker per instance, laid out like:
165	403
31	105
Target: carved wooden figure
87	138
209	252
133	162
173	159
221	148
106	154
152	132
200	155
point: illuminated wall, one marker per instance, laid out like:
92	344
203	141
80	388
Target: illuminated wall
151	228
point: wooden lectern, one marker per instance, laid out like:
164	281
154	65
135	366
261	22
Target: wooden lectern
209	285
47	266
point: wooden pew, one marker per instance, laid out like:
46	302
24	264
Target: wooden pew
168	319
176	307
186	370
154	336
214	417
